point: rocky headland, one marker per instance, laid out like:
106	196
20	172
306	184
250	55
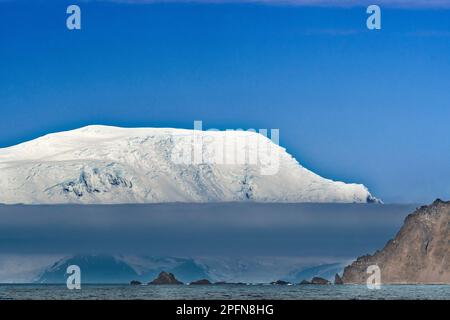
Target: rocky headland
419	253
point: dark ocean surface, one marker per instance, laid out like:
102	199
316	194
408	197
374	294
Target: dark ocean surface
224	292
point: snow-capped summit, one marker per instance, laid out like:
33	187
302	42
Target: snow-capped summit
101	164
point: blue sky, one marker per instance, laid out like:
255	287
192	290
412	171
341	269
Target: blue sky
351	104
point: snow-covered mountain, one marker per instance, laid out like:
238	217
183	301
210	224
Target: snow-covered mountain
119	269
101	164
124	268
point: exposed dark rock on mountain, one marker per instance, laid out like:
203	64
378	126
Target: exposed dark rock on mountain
321	281
165	278
338	280
135	283
95	181
420	252
201	282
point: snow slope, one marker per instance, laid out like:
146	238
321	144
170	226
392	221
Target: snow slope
100	164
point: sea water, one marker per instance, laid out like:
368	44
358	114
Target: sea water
224	292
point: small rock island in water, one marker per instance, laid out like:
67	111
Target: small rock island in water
165	278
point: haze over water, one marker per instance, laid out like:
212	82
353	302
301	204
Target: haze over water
230	229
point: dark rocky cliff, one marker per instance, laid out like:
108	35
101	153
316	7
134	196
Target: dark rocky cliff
420	252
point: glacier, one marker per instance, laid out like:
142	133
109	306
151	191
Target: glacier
112	165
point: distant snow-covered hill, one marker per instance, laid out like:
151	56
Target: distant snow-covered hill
118	269
107	165
102	269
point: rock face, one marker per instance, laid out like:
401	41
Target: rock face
419	254
338	280
318	280
165	278
135	283
202	282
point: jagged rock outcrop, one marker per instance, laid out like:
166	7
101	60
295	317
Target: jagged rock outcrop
419	254
338	280
135	283
165	278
